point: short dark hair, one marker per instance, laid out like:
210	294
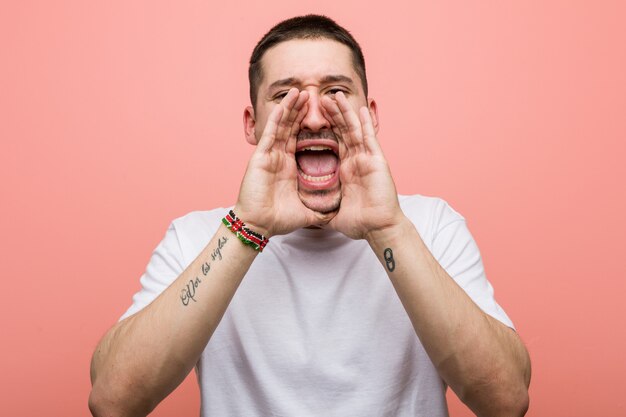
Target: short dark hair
303	27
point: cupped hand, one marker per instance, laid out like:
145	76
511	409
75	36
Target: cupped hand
268	199
369	201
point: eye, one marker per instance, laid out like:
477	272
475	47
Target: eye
281	95
334	90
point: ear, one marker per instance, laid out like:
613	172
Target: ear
373	108
249	125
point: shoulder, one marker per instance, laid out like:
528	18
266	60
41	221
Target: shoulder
196	220
195	229
429	214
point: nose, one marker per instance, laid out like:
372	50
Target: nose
314	119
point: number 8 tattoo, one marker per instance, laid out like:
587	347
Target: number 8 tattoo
391	263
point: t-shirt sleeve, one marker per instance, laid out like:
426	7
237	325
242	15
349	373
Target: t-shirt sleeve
166	264
457	252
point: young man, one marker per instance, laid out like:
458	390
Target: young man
363	303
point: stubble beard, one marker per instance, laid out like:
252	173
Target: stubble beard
310	199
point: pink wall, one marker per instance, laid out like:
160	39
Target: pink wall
115	118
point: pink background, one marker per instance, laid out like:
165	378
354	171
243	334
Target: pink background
118	116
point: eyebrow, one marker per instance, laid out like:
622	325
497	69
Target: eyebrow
328	79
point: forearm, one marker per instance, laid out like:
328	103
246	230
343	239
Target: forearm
144	357
478	357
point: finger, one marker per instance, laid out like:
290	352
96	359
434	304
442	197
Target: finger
271	127
299	112
369	133
352	120
338	124
272	131
337	131
289	115
334	115
290	147
339	119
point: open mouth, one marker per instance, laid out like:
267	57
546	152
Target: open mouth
318	163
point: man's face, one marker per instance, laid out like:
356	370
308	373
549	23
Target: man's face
320	67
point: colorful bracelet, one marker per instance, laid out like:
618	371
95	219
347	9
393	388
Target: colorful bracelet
251	238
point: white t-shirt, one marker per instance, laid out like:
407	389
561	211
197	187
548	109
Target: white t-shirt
316	327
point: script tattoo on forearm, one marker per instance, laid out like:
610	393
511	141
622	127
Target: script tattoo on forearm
391	263
188	293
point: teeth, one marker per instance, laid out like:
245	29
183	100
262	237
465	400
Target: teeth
315	179
317	148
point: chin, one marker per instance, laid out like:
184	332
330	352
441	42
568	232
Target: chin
322	201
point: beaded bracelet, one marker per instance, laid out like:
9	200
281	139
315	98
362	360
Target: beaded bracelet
251	238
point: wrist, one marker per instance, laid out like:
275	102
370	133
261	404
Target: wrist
391	232
253	222
244	232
